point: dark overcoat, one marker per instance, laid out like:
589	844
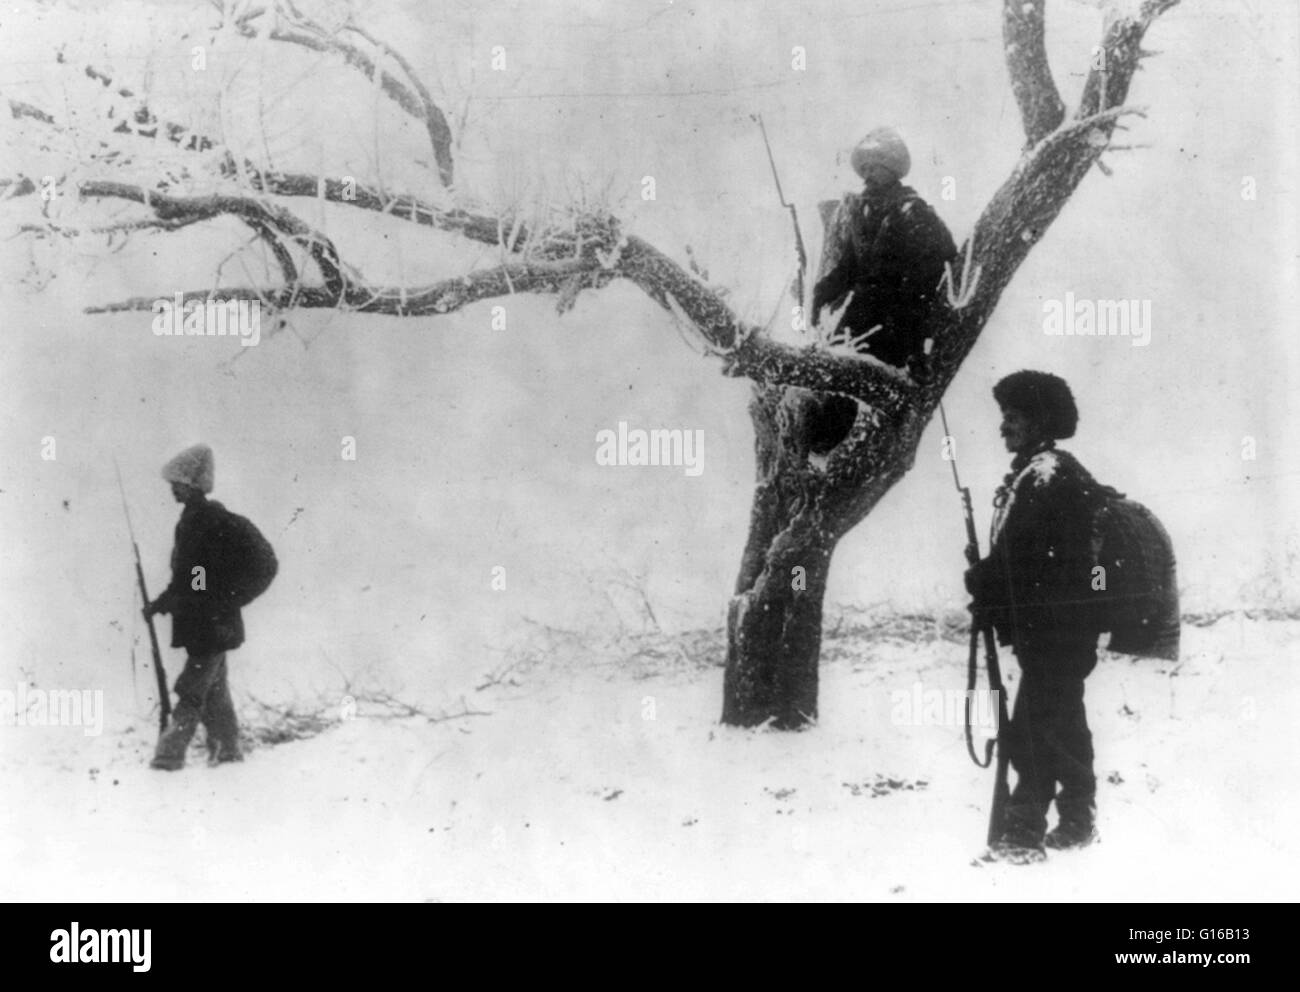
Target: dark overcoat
889	252
207	620
1037	583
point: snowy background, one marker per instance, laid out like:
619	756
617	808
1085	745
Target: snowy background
476	449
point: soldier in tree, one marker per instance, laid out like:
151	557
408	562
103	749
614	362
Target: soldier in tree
889	249
1035	586
219	564
885	256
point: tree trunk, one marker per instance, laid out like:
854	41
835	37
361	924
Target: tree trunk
774	634
774	619
803	505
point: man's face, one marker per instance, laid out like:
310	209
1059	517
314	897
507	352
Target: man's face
1019	430
877	178
182	492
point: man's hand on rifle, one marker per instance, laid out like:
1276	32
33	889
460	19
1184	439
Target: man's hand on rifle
163	604
976	579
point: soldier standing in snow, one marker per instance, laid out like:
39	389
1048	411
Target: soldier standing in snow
1035	587
885	252
219	563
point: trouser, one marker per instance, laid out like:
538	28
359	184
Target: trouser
1050	743
204	697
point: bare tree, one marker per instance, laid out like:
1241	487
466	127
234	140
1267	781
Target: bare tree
802	505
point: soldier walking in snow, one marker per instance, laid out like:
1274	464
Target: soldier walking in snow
220	563
1034	587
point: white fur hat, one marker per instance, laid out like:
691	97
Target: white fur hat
882	146
193	467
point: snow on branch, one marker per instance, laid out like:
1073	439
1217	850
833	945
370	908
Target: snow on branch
1048	173
441	297
1117	57
274	224
748	350
479	227
1023	32
289	25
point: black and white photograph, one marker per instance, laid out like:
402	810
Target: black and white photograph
666	451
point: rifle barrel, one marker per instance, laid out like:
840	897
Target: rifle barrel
943	418
1001	790
800	251
164	697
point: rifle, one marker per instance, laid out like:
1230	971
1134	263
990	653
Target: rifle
164	697
800	251
981	628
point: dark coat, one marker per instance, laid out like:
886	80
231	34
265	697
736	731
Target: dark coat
205	621
1036	583
889	251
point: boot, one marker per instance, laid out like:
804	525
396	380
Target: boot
221	752
1076	826
1059	839
169	756
221	723
1016	846
1007	853
1021	839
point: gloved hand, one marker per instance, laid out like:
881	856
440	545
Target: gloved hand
920	369
163	604
979	578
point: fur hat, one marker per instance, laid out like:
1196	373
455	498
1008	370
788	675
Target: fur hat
193	467
882	146
1043	396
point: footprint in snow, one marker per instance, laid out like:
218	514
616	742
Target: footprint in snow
883	785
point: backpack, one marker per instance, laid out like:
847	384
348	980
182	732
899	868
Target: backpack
252	556
1139	604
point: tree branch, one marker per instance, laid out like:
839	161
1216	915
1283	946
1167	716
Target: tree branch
750	351
413	99
1023	32
483	228
1031	198
442	297
269	221
435	123
1121	53
863	377
479	227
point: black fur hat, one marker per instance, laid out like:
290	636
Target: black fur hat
1043	396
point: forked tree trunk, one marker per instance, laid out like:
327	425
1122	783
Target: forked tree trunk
774	619
802	506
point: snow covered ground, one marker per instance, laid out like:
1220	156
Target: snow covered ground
611	781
